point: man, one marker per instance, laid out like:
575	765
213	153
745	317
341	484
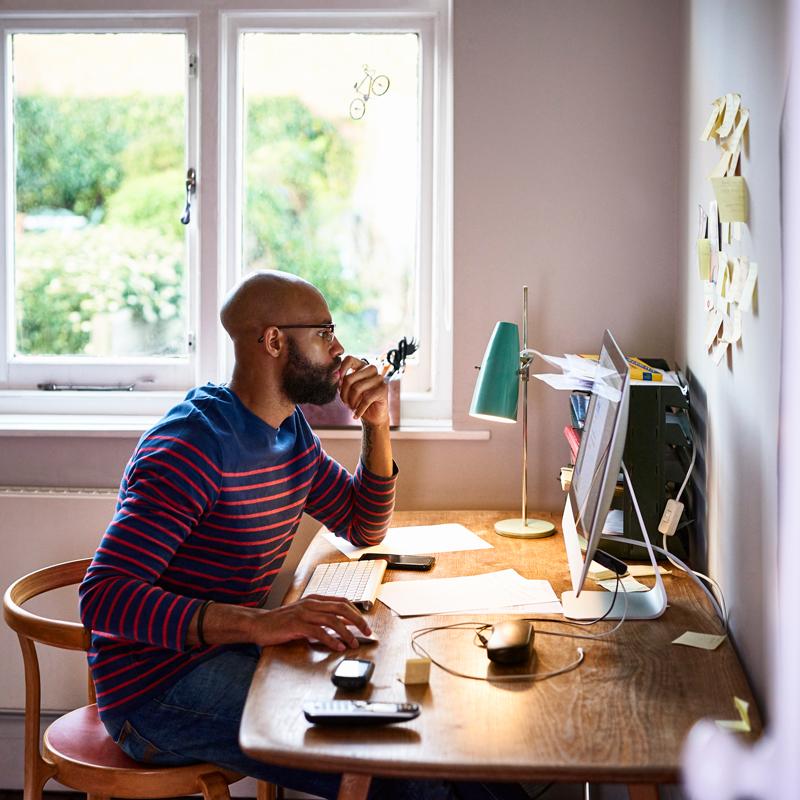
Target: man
208	506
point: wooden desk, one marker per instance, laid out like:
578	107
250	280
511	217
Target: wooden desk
621	717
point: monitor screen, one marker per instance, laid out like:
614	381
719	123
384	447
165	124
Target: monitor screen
597	465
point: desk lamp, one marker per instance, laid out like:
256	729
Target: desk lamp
495	398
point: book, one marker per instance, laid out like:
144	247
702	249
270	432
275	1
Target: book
639	369
573	437
578	406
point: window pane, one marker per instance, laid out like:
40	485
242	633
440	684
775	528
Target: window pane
331	173
99	250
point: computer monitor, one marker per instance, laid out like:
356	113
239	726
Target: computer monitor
594	480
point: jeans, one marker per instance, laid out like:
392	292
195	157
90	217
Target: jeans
197	719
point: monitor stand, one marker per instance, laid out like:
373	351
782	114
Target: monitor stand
592	605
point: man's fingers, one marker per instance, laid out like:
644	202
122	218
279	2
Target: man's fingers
356	385
337	607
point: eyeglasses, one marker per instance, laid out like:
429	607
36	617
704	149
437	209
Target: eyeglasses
325	330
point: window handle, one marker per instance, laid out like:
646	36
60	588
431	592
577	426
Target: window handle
191	188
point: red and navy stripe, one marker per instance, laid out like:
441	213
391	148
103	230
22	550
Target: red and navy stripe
208	506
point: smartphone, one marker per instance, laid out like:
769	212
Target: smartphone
353	673
401	562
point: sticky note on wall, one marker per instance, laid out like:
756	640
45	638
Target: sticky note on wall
704	259
731	194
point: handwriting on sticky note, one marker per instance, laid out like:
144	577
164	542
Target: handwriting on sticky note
731	194
703	641
743	723
704	258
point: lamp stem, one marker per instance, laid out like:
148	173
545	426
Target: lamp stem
524	375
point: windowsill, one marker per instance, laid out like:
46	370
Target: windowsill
124	426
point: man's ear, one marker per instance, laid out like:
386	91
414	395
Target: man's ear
274	342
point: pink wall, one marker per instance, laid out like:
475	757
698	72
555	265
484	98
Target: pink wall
565	117
566	147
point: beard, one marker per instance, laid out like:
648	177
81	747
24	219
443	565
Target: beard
306	382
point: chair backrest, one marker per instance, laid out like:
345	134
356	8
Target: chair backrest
58	633
32	628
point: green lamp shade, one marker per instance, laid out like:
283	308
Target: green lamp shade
497	390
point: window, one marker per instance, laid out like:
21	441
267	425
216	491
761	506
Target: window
320	144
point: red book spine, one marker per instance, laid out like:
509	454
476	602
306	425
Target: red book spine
573	439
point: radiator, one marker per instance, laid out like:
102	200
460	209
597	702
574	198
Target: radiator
39	527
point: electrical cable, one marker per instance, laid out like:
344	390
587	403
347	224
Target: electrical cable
479	627
532	676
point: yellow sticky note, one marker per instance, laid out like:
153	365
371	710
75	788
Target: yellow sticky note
735	139
722	165
731	171
703	641
718	353
732	102
743	723
724	278
712	326
713	119
731	194
736	316
749	287
645	570
704	258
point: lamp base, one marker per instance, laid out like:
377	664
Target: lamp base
525	529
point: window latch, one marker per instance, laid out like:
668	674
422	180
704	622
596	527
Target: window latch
191	188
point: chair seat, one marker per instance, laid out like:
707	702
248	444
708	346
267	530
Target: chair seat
80	736
84	752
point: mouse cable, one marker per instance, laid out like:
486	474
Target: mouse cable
476	626
574	623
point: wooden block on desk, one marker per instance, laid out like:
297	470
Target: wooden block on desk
418	670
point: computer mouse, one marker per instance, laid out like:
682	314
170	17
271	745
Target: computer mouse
510	642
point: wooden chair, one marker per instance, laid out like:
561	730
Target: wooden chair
76	750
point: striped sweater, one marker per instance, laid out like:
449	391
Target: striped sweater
207	509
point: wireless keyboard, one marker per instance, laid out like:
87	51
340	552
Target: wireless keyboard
358	581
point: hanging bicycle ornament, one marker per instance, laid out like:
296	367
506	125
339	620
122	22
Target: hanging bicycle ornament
370	84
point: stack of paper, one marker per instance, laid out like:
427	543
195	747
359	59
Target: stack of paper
491	592
415	540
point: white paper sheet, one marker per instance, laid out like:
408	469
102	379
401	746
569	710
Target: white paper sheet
415	540
492	590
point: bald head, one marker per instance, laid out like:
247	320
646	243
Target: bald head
269	298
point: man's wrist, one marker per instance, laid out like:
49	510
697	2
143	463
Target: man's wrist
224	623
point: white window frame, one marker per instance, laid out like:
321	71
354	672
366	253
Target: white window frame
212	28
25	372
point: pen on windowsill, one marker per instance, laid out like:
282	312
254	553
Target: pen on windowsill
78	387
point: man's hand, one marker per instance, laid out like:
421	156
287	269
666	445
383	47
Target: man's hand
313	617
364	390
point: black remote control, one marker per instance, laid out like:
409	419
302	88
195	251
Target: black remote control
359	712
